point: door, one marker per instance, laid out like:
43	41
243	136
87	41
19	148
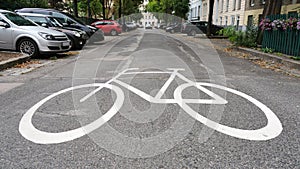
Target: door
5	36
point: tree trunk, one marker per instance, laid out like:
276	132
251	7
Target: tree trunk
103	8
75	3
89	9
210	15
272	7
120	8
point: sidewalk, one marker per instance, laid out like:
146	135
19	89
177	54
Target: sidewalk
265	60
10	59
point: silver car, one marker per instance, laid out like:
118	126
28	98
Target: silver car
18	33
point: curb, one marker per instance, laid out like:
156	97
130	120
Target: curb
13	61
292	64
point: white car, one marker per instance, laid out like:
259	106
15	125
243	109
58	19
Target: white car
148	26
18	33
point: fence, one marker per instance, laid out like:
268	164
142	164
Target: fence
287	42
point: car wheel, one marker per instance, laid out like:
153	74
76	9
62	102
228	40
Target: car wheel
113	33
73	45
172	31
28	47
193	33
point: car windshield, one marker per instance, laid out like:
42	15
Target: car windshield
37	19
18	20
55	22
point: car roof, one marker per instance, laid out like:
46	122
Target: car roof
1	10
34	14
35	9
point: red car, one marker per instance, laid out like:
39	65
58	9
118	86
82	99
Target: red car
109	27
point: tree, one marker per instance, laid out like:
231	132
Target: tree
210	15
75	8
272	7
95	8
17	4
164	8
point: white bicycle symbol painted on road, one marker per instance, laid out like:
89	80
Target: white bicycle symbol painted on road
271	130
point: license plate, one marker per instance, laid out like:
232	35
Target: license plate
65	44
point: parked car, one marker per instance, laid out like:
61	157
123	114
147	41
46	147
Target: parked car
109	27
184	26
18	33
78	38
174	28
130	26
139	26
161	25
148	26
68	21
200	27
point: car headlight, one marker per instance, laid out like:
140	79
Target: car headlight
77	34
46	36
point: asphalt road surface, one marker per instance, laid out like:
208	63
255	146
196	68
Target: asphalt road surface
132	101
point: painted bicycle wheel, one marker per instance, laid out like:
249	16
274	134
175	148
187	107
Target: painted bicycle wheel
31	133
271	130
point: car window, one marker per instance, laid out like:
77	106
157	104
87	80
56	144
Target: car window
18	20
100	23
38	20
63	18
110	23
55	22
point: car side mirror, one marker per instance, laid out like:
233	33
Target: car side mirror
3	24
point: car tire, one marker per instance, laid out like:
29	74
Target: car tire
28	46
73	44
193	33
113	33
172	31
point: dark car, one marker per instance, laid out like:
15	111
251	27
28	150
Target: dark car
194	28
174	28
78	38
68	21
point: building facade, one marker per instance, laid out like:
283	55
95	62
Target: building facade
226	13
195	12
254	10
148	18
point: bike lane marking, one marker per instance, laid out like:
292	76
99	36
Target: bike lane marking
271	130
31	133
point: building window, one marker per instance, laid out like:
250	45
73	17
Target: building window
199	11
233	5
222	5
237	22
251	2
220	20
250	20
239	5
232	20
205	9
293	14
226	20
227	5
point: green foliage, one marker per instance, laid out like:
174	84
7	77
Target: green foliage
17	4
96	7
267	50
228	31
180	7
131	6
240	38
